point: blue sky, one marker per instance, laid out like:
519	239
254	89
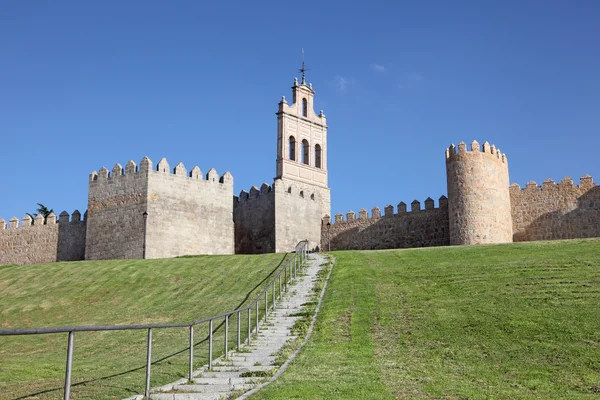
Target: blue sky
85	85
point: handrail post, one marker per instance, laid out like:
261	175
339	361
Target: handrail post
239	324
191	351
210	343
257	316
286	274
249	333
148	364
266	303
69	367
226	334
280	286
273	291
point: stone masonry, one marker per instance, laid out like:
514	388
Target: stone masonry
152	212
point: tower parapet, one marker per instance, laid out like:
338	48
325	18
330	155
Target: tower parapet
478	194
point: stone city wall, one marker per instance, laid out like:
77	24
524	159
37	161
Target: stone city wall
254	219
406	229
116	204
188	214
297	215
34	242
556	211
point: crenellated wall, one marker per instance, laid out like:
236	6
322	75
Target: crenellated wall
116	204
415	228
273	218
555	211
34	242
254	219
185	213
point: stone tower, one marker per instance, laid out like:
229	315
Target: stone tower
478	195
302	144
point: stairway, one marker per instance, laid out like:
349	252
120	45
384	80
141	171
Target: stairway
255	363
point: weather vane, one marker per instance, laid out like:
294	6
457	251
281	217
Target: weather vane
303	69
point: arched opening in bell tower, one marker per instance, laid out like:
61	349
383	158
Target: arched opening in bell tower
292	148
305	151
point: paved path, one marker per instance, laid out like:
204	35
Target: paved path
230	378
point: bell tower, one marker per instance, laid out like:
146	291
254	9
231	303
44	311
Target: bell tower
302	142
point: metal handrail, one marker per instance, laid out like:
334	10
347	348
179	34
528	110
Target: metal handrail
293	265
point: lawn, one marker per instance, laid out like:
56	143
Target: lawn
112	364
517	321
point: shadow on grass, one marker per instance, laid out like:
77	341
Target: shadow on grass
143	367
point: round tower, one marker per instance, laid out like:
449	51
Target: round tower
478	196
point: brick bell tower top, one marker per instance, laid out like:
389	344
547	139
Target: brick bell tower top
301	137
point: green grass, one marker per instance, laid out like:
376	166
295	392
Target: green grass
519	321
112	364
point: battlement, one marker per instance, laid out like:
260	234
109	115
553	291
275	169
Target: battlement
38	221
363	214
454	153
267	190
146	167
586	183
254	194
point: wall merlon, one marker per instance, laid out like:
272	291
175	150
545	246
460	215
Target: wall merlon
63	217
402	208
339	218
163	166
131	167
415	206
103	173
388	210
265	188
117	171
443	201
586	182
26	221
2	224
51	219
180	170
254	192
350	216
212	175
363	214
531	187
39	220
549	184
146	165
226	178
326	220
475	146
196	173
429	204
76	216
375	212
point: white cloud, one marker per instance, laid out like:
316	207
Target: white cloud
378	67
415	77
341	83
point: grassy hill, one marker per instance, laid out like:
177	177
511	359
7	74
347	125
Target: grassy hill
111	364
519	321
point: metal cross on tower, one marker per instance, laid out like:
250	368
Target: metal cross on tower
303	69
